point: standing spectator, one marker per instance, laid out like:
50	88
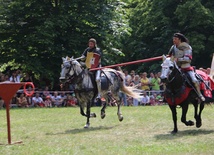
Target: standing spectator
15	77
22	101
27	78
56	100
6	77
145	82
155	83
161	83
46	92
127	81
136	83
132	74
37	101
2	77
127	78
151	76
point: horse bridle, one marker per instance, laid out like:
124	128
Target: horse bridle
176	66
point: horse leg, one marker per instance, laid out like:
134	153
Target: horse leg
89	114
174	117
88	111
103	109
185	107
119	114
198	117
82	111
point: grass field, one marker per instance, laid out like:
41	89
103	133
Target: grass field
144	130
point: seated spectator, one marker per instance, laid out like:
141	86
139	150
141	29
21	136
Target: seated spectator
56	100
159	99
14	101
48	102
37	101
152	99
71	101
22	101
1	103
145	99
64	98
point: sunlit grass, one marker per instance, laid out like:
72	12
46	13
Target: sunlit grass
144	130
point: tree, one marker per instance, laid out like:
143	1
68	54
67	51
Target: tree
38	33
154	22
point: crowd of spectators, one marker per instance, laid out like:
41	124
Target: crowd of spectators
150	86
41	98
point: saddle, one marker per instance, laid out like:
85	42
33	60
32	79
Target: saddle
107	77
204	80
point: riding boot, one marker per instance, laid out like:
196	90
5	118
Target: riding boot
199	92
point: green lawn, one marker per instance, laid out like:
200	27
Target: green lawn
144	130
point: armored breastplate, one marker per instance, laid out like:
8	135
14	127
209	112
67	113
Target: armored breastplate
178	53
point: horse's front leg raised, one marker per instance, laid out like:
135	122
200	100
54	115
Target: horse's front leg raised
185	107
174	117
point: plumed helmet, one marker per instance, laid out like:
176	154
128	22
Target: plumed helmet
181	37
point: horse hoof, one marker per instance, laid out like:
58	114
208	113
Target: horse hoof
93	115
190	123
174	132
103	116
86	126
198	125
121	119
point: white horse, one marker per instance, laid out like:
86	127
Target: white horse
86	90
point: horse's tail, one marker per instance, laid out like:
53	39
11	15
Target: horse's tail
130	91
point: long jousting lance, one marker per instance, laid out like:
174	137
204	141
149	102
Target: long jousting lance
129	63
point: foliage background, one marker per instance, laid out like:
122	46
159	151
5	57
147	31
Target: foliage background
35	34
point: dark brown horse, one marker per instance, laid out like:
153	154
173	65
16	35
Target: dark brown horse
179	92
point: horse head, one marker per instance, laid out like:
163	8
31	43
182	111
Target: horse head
69	69
167	67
